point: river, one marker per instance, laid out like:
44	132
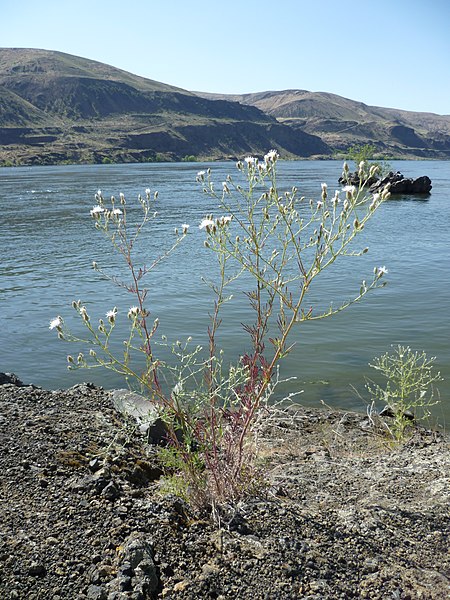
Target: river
48	244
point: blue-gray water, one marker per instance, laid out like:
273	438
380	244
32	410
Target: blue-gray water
48	244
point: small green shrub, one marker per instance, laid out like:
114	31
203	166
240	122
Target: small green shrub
408	392
367	154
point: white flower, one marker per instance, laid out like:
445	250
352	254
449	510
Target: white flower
319	205
55	323
250	160
206	223
147	191
117	211
224	220
111	314
201	174
97	210
99	192
133	312
185	227
380	271
349	188
271	156
324	187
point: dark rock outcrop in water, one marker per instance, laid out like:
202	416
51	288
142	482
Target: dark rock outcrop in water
398	184
353	179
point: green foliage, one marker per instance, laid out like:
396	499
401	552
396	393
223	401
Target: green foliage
359	153
367	153
189	158
408	392
282	243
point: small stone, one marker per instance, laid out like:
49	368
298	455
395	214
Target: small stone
96	592
110	492
52	540
37	569
94	465
180	586
125	583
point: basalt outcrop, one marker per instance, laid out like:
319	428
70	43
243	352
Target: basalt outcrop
396	183
399	185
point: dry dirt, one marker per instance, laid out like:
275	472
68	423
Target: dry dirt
345	515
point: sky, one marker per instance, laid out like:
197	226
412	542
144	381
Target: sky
390	53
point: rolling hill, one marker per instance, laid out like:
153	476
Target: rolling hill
58	108
341	122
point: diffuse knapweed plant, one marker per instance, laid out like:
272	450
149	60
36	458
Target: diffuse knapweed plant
408	392
281	243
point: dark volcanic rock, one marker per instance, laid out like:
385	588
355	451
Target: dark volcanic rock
10	378
353	179
398	184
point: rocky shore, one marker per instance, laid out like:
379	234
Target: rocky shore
345	514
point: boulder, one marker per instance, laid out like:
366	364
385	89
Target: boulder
145	414
398	184
10	378
353	179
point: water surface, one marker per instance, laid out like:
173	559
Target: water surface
48	244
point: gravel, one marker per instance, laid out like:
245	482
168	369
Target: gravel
344	515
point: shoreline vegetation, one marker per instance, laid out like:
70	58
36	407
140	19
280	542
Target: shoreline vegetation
231	160
346	514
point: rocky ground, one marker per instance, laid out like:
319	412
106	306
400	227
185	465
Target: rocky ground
345	516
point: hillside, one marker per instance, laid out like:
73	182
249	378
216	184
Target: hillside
341	122
57	108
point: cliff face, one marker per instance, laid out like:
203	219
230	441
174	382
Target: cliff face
55	107
341	122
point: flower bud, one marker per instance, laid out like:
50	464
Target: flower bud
373	170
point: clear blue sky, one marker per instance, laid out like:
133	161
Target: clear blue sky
392	53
